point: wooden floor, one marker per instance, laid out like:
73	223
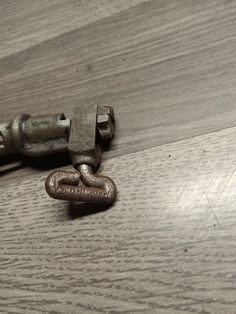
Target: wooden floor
168	245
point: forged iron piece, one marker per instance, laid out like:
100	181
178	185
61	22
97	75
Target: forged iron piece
82	137
89	127
106	122
34	136
82	186
84	144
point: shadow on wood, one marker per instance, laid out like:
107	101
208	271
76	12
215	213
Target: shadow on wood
12	163
80	210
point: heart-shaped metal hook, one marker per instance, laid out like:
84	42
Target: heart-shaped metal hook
81	186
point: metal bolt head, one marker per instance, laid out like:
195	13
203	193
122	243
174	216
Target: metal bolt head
106	122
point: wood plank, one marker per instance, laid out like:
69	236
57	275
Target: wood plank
25	23
167	67
167	245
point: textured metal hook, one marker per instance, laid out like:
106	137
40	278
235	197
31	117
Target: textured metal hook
81	186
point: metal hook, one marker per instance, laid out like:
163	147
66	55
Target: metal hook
82	186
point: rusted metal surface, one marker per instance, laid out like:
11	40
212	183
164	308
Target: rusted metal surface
82	137
81	186
35	136
84	145
89	127
106	122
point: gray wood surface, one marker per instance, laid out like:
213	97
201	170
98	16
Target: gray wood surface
166	246
168	243
168	68
24	23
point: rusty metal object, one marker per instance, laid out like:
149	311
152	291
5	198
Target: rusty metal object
106	122
89	127
34	136
82	136
84	144
82	186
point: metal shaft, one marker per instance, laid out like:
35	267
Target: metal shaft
34	136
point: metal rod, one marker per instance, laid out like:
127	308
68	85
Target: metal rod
35	136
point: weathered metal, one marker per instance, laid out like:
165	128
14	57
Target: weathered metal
106	122
35	136
84	143
82	136
81	186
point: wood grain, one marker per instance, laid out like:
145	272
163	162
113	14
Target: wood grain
168	68
24	24
168	243
167	246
